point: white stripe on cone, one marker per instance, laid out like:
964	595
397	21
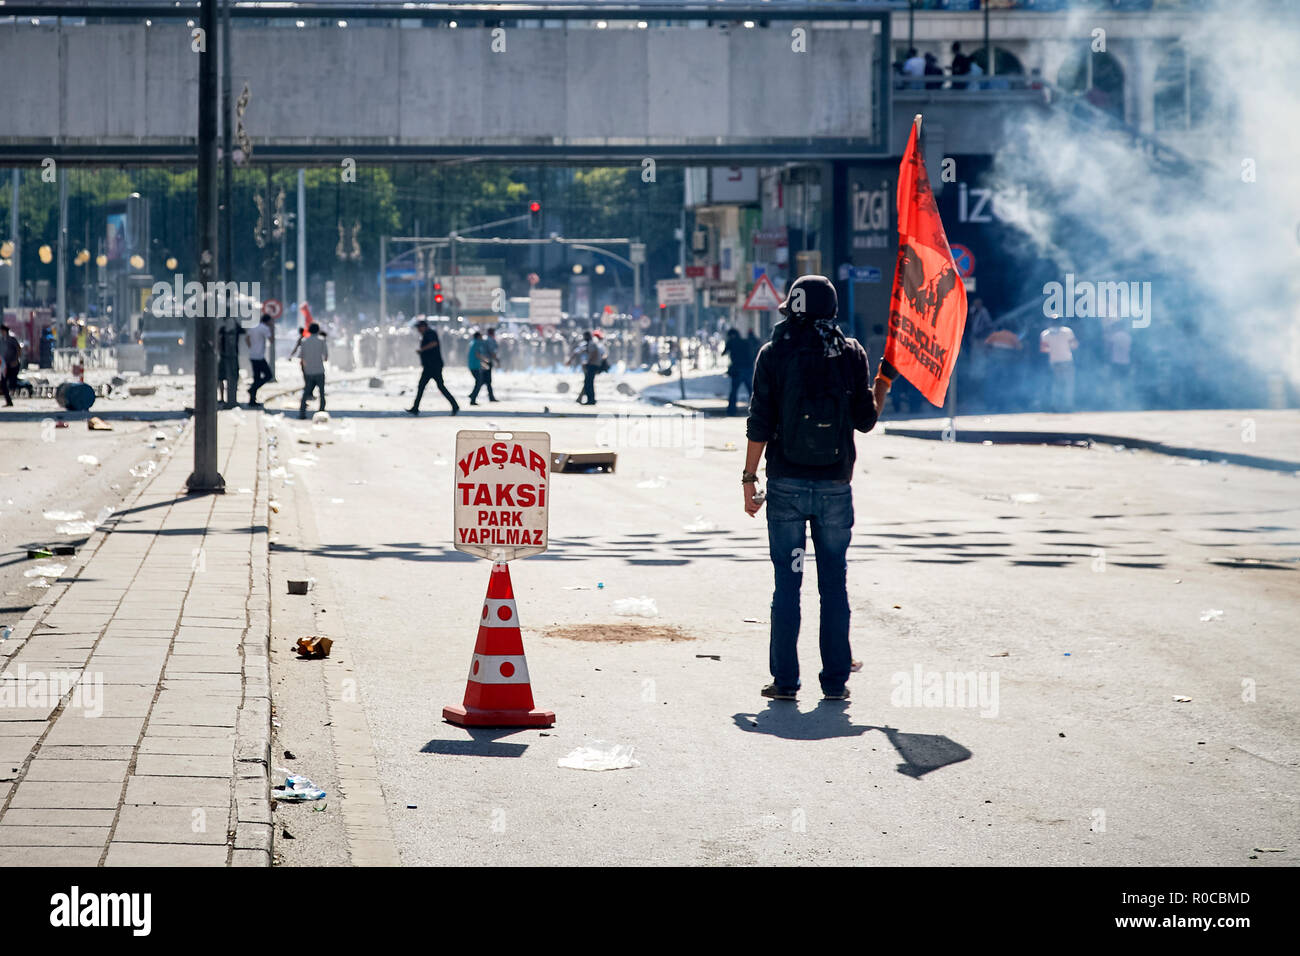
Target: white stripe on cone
498	669
493	617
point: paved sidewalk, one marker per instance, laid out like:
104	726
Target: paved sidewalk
135	698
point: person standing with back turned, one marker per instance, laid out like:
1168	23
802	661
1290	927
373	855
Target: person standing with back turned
312	356
812	389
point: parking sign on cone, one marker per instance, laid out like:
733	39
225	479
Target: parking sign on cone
498	693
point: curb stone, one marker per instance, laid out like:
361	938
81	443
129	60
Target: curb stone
253	724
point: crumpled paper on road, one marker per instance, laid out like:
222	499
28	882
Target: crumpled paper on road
599	755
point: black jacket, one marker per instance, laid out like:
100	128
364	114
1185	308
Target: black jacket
765	405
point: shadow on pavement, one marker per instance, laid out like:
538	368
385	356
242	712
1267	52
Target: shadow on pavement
108	415
920	753
483	743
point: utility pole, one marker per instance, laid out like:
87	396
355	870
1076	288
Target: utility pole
62	247
268	258
205	477
681	309
284	242
383	280
227	151
15	282
988	47
300	268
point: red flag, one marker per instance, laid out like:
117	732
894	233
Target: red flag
927	308
306	315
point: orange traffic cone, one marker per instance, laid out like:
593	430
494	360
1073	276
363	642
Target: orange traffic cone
498	693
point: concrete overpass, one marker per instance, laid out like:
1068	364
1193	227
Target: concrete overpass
564	88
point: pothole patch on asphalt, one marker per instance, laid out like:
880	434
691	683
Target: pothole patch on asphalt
619	633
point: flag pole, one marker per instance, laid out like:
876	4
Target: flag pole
950	400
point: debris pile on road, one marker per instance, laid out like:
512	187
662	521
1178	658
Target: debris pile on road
314	646
297	789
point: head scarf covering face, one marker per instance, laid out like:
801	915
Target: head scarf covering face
833	342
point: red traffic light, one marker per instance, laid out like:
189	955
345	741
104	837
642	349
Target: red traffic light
437	287
438	298
534	206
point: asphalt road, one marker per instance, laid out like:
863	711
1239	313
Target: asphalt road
1071	582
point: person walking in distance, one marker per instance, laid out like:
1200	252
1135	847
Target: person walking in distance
476	358
430	367
812	389
1059	343
228	337
257	339
489	359
590	355
741	369
312	356
11	353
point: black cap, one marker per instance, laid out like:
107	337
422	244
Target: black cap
419	322
818	299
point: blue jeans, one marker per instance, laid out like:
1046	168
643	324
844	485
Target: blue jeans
791	504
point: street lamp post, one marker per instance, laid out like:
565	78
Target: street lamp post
205	478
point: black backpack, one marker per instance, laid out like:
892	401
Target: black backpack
816	410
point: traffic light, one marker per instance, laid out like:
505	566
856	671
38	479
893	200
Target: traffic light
535	215
437	293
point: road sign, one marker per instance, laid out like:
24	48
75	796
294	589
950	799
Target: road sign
501	493
675	291
645	322
850	273
636	253
963	260
696	272
329	295
720	295
273	307
763	295
544	306
475	293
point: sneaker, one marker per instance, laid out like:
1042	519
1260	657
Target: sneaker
842	695
778	693
855	666
455	409
412	411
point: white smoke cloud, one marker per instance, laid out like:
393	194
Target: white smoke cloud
1234	245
